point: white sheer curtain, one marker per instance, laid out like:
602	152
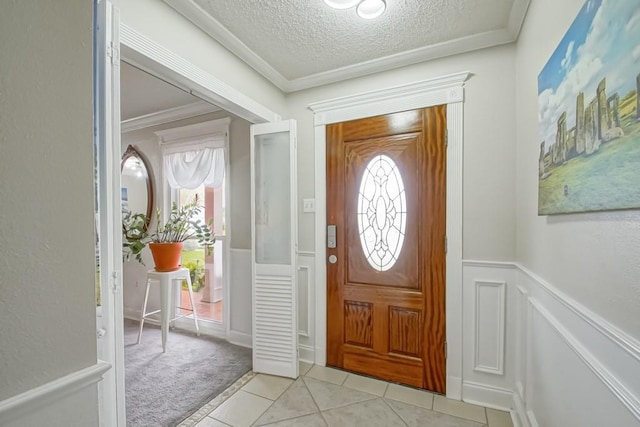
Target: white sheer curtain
191	164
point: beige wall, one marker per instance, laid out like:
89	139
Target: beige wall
593	257
47	305
489	148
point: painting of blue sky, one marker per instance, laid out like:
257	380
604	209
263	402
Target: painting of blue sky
588	94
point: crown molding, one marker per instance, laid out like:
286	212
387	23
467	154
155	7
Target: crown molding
166	116
516	17
427	53
221	34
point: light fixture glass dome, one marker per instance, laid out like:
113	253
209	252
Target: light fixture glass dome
341	4
370	9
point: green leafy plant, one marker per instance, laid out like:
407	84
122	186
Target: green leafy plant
181	225
196	271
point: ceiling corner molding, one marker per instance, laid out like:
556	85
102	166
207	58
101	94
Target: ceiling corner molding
516	18
222	35
166	116
144	53
447	89
427	53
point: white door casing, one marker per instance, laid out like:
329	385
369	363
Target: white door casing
125	42
107	104
274	254
447	90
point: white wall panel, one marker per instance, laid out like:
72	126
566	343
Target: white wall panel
489	326
306	306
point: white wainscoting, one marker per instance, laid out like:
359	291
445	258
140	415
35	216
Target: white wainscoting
306	306
240	298
577	368
70	400
532	349
488	300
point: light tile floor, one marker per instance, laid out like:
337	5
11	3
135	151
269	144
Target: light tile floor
326	397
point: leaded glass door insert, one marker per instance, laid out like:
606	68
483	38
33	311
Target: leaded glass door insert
382	212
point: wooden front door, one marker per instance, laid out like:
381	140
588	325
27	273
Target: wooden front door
386	197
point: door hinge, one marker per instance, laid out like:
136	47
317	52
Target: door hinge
446	138
446	244
446	350
113	52
115	282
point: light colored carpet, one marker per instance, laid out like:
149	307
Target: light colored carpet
162	389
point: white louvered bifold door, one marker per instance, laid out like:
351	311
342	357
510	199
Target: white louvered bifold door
274	238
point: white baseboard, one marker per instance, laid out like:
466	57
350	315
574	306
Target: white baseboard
454	387
306	354
51	392
241	339
485	395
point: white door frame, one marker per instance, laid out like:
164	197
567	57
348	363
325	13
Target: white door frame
147	55
447	90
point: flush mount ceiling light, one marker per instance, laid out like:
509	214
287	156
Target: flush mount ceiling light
367	9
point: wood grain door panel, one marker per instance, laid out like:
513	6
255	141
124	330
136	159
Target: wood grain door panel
388	321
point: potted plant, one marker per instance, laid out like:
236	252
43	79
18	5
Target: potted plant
165	242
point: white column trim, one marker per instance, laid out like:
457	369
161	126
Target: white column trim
442	90
51	392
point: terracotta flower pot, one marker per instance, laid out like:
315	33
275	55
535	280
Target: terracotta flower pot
166	256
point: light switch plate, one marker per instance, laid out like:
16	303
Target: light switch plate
308	205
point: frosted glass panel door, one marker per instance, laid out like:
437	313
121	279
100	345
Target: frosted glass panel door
272	198
274	235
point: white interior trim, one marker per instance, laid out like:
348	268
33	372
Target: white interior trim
153	58
498	368
158	61
622	393
167	116
197	131
617	336
221	34
51	392
443	90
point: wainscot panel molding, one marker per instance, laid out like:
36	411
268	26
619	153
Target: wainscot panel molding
555	350
566	353
239	298
490	311
306	306
489	333
34	400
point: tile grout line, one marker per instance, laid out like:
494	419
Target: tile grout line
394	411
272	401
314	401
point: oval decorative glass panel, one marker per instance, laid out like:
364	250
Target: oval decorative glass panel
381	212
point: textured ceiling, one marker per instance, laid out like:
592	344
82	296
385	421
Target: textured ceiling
142	93
301	43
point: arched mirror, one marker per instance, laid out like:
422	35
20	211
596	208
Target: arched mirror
137	188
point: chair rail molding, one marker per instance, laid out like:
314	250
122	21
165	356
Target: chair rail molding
51	392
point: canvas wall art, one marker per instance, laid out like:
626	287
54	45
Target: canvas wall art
589	113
